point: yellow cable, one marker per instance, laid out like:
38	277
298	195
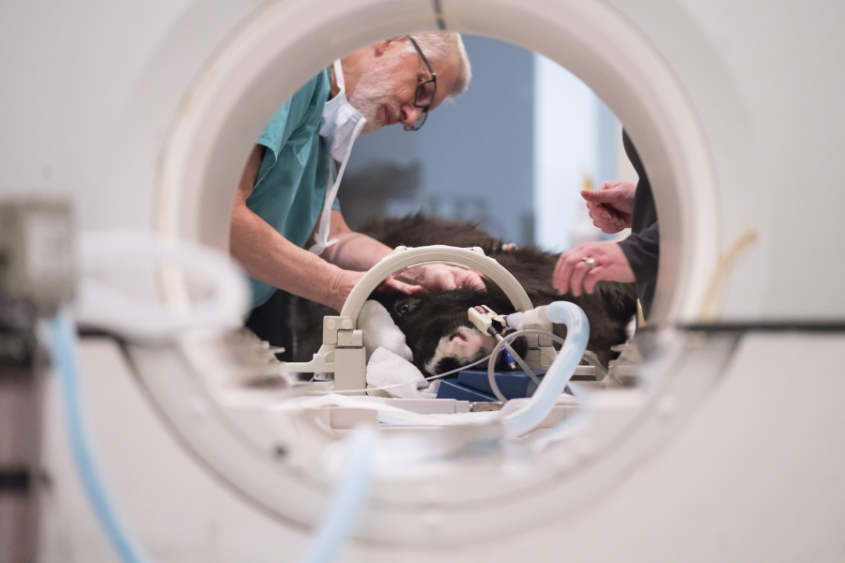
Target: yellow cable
711	306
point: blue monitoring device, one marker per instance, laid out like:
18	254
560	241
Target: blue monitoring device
450	390
473	385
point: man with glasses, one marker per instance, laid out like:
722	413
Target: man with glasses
283	189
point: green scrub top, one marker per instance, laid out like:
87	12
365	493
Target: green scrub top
291	187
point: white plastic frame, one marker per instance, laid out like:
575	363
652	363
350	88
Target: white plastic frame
280	48
285	43
401	258
407	257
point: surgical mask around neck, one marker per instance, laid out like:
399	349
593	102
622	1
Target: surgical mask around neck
342	124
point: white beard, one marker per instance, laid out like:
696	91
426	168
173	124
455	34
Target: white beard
371	94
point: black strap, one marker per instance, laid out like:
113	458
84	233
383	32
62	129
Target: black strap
767	326
15	481
438	11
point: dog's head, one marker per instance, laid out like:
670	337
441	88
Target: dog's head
437	328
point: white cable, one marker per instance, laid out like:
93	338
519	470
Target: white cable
505	343
525	367
102	306
429	378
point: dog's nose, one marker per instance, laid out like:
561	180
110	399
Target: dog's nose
460	335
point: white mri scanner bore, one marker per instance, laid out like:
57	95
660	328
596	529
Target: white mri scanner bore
722	136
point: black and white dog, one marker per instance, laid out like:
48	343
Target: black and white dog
436	325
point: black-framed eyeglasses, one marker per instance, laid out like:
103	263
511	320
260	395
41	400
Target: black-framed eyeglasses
424	96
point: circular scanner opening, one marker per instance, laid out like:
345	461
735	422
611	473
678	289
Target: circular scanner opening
280	48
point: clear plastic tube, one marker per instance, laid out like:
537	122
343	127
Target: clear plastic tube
333	531
560	372
349	498
64	354
491	366
505	343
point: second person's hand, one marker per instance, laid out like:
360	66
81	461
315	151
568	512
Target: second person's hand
611	205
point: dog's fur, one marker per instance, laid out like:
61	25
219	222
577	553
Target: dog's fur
432	321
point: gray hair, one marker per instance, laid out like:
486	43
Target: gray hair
445	46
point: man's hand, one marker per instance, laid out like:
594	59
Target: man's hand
342	285
611	205
441	276
572	271
430	276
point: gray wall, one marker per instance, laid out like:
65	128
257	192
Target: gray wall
473	160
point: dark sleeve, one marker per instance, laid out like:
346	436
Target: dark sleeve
643	253
645	213
642	247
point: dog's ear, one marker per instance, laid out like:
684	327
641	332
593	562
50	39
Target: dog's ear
390	297
400	305
405	306
387	296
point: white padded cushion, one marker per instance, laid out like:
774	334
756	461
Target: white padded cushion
381	332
